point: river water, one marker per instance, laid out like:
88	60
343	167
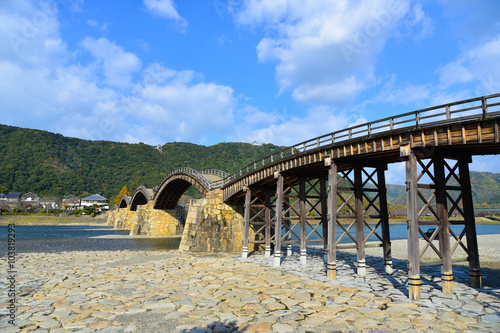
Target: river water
103	238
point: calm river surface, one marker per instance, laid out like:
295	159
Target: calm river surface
102	238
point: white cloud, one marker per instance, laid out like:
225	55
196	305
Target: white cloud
478	65
325	50
318	121
166	9
108	98
118	65
183	105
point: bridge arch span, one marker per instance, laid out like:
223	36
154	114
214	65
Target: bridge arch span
141	196
179	180
124	201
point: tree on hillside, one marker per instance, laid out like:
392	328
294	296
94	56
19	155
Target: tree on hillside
122	192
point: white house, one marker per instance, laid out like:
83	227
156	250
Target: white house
94	199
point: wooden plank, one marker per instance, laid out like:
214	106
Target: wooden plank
360	221
302	218
469	219
279	221
496	132
386	236
248	197
413	234
444	231
268	224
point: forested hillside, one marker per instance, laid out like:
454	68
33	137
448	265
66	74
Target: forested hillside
485	189
47	163
51	164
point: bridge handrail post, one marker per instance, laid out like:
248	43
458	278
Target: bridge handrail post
484	106
417	118
333	138
350	133
369	128
448	112
392	123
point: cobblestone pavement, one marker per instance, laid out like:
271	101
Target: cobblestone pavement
170	291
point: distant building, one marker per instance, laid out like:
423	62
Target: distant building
96	199
159	148
30	198
50	202
71	202
13	198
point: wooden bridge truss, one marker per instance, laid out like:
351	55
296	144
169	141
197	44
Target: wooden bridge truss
341	187
336	183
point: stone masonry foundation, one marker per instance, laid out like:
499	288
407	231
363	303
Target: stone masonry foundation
212	226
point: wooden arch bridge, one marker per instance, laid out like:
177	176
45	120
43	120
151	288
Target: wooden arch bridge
331	190
172	187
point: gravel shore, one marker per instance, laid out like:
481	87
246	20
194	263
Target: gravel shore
170	291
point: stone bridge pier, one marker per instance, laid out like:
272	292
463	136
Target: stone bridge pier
212	225
209	225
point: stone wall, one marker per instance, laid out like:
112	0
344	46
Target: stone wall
146	221
213	226
155	222
121	218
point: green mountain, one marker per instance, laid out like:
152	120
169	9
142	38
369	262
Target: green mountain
485	189
48	163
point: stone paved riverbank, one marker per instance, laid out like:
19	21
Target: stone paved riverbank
169	291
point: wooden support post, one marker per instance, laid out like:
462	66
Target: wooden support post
331	266
324	217
267	218
360	220
412	221
302	219
279	221
386	235
246	230
470	225
444	231
288	222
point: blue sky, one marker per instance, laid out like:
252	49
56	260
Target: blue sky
278	71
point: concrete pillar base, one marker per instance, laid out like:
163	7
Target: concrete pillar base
277	258
447	282
414	287
303	257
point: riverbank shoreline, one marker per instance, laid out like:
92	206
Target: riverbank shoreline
40	220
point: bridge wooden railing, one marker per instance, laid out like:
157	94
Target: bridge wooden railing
217	183
200	176
465	110
214	172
